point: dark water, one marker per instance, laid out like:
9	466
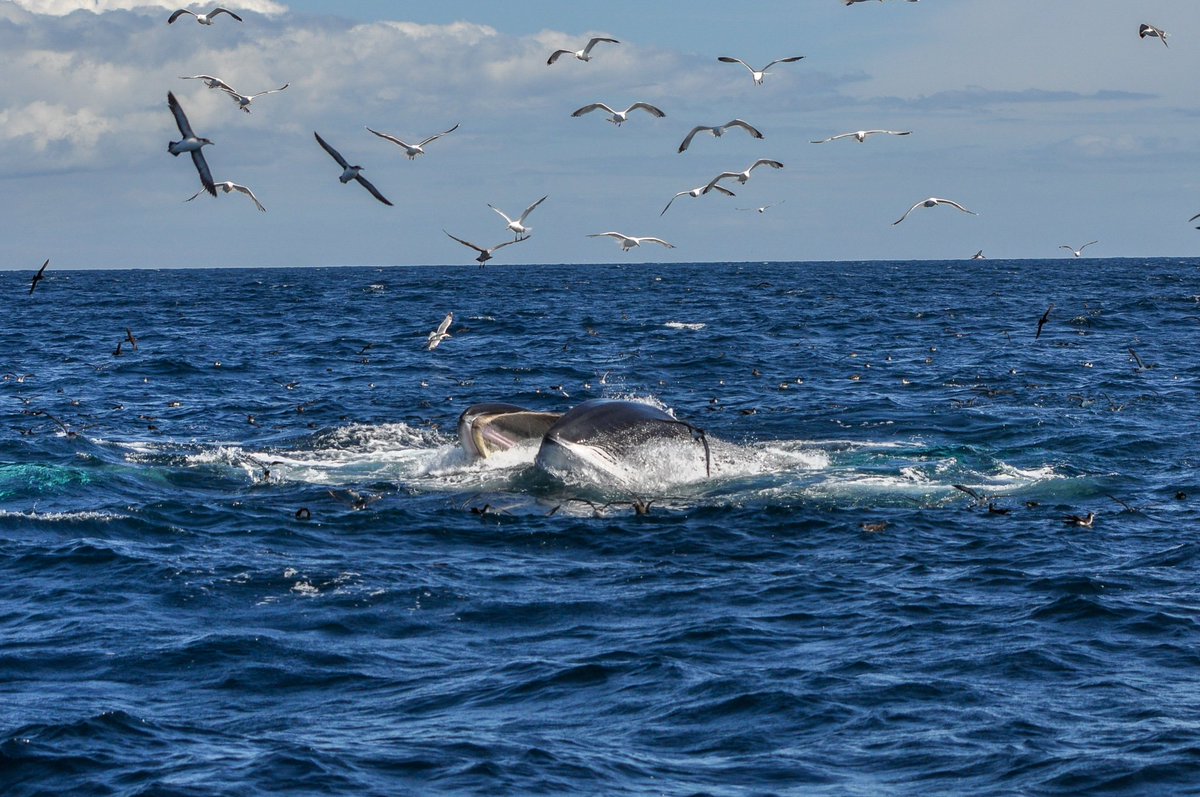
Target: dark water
170	627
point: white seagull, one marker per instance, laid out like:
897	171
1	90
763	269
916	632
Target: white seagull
932	202
438	335
228	186
210	81
717	130
629	241
758	74
190	143
620	116
1153	32
763	208
1077	252
244	100
518	225
203	19
861	135
742	176
484	254
583	55
413	150
695	192
350	172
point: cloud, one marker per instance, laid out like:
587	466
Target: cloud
59	8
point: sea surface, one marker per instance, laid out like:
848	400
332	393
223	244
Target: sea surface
249	557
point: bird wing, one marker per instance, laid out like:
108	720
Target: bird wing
506	243
272	91
749	128
446	322
193	196
205	174
655	241
554	56
609	234
589	108
723	190
437	135
833	138
910	210
374	191
592	43
503	215
1193	218
216	11
645	106
728	60
1086	245
392	139
181	119
891	132
1064	246
219	83
337	156
672	199
238	97
765	162
687	140
952	203
38	275
243	189
713	182
529	209
782	61
468	243
178	14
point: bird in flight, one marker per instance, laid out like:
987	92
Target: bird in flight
438	335
484	254
413	150
228	187
1077	252
758	74
618	117
627	242
203	19
39	276
210	81
190	143
933	202
763	208
717	130
243	100
695	192
1042	322
861	135
518	225
1153	32
349	172
583	55
742	176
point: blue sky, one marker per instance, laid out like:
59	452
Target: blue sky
1053	121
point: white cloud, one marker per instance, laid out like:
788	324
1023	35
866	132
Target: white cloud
60	8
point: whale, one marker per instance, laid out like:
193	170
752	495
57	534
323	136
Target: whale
488	429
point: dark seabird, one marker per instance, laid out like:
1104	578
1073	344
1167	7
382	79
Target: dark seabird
484	254
349	172
1042	322
190	143
39	276
129	337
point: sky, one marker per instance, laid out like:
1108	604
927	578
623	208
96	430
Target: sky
1053	121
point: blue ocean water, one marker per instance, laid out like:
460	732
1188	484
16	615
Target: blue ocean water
169	625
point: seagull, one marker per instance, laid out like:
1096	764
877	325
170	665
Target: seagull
229	186
190	143
39	276
763	208
244	100
438	335
718	130
413	150
210	81
583	55
349	172
695	192
931	202
758	74
620	116
518	225
628	241
484	254
861	135
1149	30
203	19
742	176
979	255
1042	322
1077	252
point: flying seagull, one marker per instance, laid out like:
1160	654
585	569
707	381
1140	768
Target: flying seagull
931	202
695	192
627	242
39	276
1153	32
620	116
190	143
1042	322
758	74
203	19
717	130
518	225
484	254
228	186
861	135
209	80
761	208
583	55
348	172
1077	252
438	335
413	150
742	176
244	100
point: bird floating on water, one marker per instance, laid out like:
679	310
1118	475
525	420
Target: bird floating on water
348	172
933	202
758	74
484	254
717	130
413	150
861	135
203	19
628	242
243	100
1153	32
1082	522
618	117
39	276
583	55
441	333
742	176
1077	252
518	225
228	186
695	192
190	143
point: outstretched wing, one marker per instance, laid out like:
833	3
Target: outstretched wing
656	241
437	136
181	120
910	210
765	162
506	243
952	203
723	190
467	243
672	199
645	106
205	175
392	139
782	61
374	191
178	14
215	82
593	42
529	209
554	56
216	11
337	156
445	325
833	138
1086	245
687	140
722	176
243	189
503	215
749	128
728	60
594	106
271	91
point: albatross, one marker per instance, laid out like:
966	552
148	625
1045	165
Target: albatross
484	254
583	55
1077	252
413	150
618	117
627	242
933	202
348	172
742	176
758	74
39	276
861	135
243	100
203	19
695	192
190	143
717	130
228	187
517	225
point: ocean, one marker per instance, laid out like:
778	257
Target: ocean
249	556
